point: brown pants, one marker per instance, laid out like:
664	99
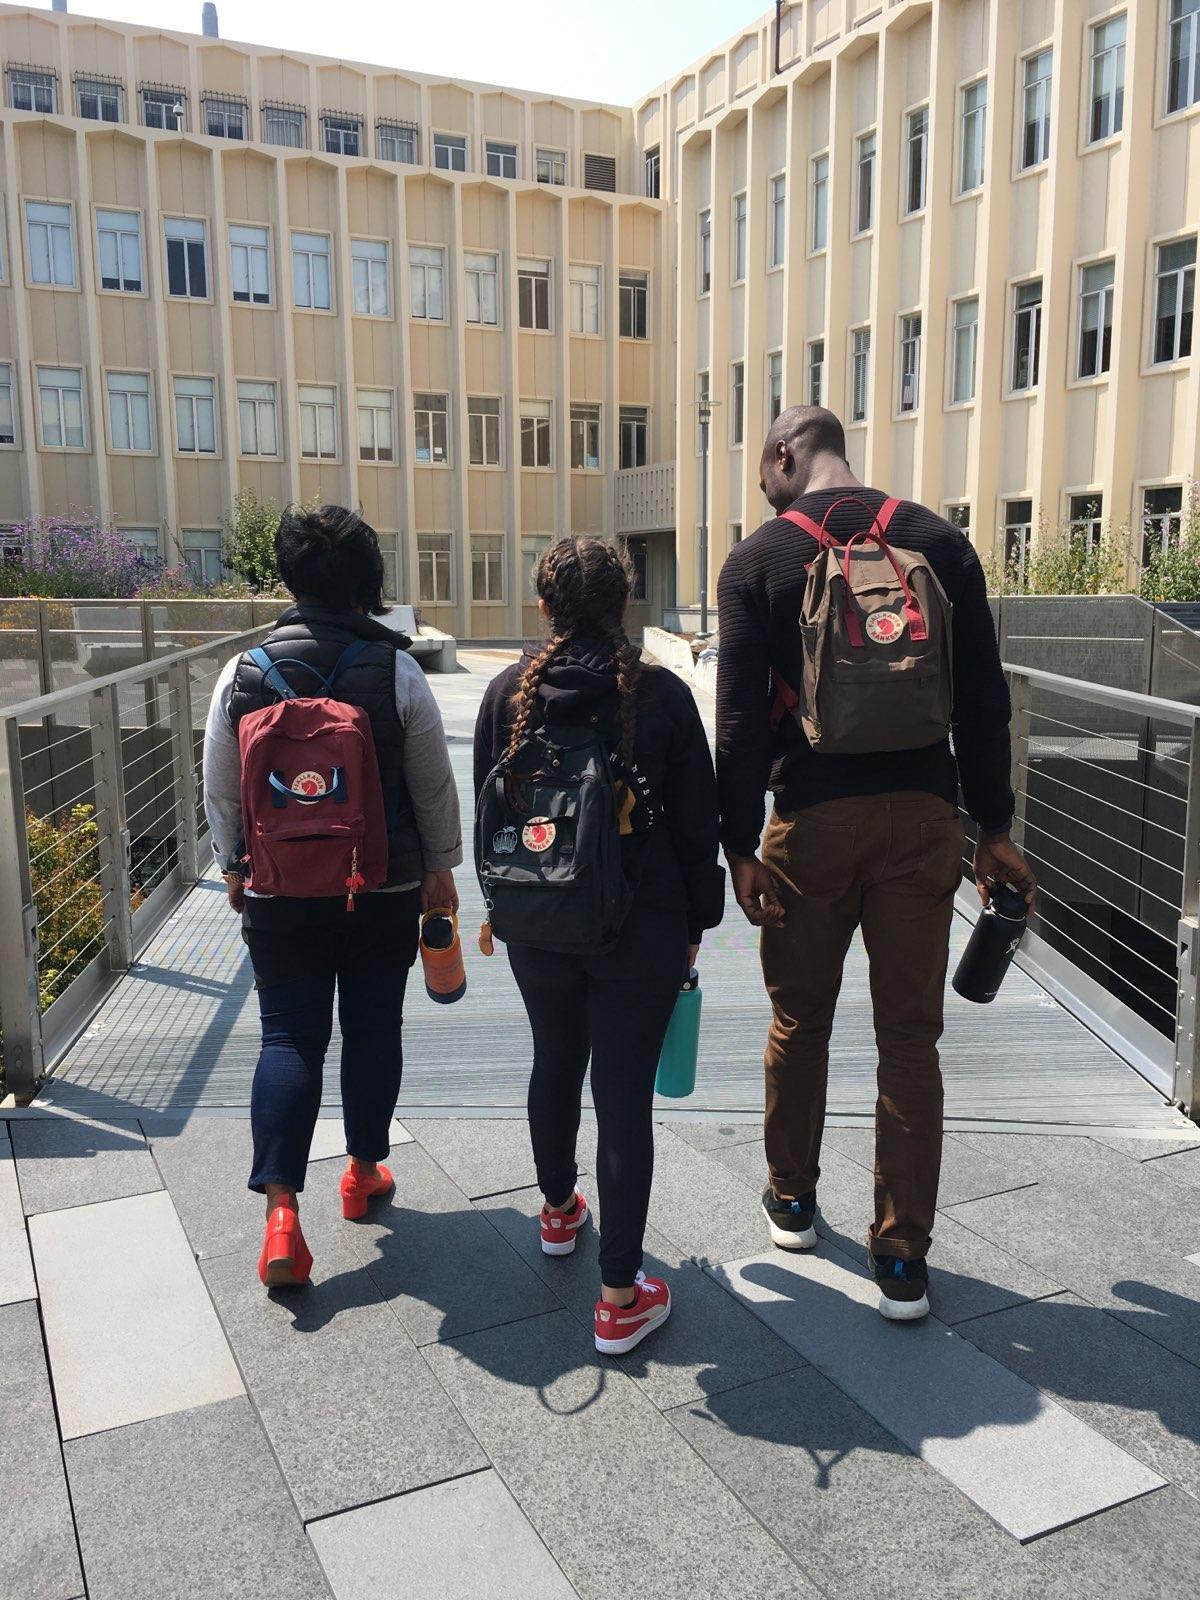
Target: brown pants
889	863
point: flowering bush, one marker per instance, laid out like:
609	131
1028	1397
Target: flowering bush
78	557
1064	561
1173	573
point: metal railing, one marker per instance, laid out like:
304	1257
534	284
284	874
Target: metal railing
101	823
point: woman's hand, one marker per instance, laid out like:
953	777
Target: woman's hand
438	892
693	952
236	890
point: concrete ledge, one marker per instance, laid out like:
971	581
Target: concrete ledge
670	651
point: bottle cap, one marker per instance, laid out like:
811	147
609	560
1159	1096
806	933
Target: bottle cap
1007	903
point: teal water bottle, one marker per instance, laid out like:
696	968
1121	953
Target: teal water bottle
677	1063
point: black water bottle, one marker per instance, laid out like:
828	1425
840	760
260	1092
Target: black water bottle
991	947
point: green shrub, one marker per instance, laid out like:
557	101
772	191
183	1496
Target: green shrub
1174	573
1064	562
248	546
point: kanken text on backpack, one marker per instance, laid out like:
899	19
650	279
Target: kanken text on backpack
547	844
312	800
876	632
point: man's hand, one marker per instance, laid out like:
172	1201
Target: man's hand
236	890
438	892
754	889
693	952
997	860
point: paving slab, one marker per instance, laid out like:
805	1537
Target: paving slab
189	1507
1148	1549
16	1267
967	1172
64	1161
1028	1463
1181	1168
854	1508
549	1413
1146	1147
1144	1398
205	1162
39	1559
700	1205
352	1412
129	1326
484	1546
481	1155
714	1135
711	1342
329	1138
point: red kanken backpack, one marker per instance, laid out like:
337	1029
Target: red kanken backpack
312	799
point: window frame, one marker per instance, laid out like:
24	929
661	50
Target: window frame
544	154
431	412
976	119
818	205
9	382
505	150
1153	278
378	459
496	416
580	425
1022	528
493	553
860	418
444	549
137	232
1043	88
1014	390
633	286
203	550
345	125
84	447
257	402
574	281
220	106
401	133
704	255
652	172
635	419
99	87
739	253
182	216
955	402
737	404
425	268
908	211
157	94
773	368
251	248
542	430
1191	21
1091	140
529	270
1146	487
33	76
281	112
910	343
859	230
455	144
51	283
334	406
1107	295
815	370
308	256
109	435
479	274
1095	523
777	221
212	397
389	311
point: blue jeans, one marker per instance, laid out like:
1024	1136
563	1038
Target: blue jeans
301	951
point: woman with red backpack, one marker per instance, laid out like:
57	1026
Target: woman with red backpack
574	714
334	817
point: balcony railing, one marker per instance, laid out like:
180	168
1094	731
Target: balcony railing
646	498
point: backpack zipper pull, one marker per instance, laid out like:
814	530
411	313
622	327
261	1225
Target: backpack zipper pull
355	881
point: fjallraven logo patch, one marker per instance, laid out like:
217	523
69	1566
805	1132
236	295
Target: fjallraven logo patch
504	843
308	787
538	834
884	627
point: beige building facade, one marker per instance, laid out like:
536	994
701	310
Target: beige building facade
489	316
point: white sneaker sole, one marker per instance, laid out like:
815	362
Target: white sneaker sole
789	1238
620	1347
903	1310
567	1247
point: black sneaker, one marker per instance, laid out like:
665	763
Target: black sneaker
791	1221
903	1286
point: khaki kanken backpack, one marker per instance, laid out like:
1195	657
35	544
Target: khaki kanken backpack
876	630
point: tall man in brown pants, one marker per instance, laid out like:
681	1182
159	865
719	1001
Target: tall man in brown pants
870	841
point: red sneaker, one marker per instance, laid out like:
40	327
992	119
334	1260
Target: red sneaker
286	1260
560	1227
619	1328
357	1188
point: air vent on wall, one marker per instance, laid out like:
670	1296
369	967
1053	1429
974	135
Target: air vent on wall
600	172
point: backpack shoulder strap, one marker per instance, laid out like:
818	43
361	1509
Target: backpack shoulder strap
347	659
806	525
272	678
886	512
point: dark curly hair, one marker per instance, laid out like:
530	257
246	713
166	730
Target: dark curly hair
330	555
586	584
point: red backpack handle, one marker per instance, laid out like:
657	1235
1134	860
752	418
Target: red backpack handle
880	521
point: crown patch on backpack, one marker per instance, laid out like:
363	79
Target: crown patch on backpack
504	843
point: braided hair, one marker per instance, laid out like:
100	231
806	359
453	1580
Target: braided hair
585	584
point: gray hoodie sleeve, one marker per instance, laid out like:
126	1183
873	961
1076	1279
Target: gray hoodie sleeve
428	774
222	770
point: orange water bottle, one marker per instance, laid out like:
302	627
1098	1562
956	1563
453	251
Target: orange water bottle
442	957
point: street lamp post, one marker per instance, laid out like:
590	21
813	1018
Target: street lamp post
705	414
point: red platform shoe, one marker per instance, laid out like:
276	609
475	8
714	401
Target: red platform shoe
357	1188
286	1260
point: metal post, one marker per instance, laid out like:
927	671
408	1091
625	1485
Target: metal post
112	831
1020	692
705	412
20	1013
184	774
1187	1019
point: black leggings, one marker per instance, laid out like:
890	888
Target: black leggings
614	1008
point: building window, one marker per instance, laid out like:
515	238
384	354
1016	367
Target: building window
703	412
965	353
311	277
1086	518
99	99
450	152
318	421
634	303
430	429
1183	55
1018	537
816	372
774	384
195	416
435	584
1096	318
1174	294
860	373
585	298
958	515
164	107
585	438
187	258
119	248
1162	521
483	431
533	548
371	277
129	425
500	160
60	408
341	135
8	414
550	166
224	116
737	402
1035	112
600	172
376	433
398	141
910	362
51	244
146	540
533	295
638	556
973	140
1027	334
918	160
864	215
739	237
427	282
258	424
819	232
632	431
536	434
1108	79
483	289
735	533
652	173
202	553
778	220
33	89
487	567
705	251
286	126
250	265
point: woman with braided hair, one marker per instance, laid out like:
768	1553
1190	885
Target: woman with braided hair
612	1009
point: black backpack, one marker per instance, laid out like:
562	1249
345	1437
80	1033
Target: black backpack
548	845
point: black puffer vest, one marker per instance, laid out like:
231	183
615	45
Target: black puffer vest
318	637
